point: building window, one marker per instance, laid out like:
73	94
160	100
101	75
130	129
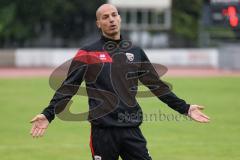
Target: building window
160	18
143	19
139	17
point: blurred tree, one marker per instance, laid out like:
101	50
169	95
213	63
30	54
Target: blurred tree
185	22
23	21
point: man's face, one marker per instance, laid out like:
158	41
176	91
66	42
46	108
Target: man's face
108	20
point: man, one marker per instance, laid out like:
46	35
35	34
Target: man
111	68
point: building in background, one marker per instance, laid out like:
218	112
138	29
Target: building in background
146	22
175	33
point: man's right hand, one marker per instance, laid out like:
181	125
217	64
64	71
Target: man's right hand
39	125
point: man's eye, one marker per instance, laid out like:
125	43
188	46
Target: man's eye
105	17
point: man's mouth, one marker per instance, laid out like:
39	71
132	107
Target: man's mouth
112	27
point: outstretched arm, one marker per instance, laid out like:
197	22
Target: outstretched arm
68	88
164	93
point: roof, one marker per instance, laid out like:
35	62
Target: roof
155	4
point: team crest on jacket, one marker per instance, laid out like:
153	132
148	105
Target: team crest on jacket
130	56
97	158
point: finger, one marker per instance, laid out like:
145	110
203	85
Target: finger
200	107
42	132
33	128
34	119
199	119
205	116
34	134
203	120
39	132
202	114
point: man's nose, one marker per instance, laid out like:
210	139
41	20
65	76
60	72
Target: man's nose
111	19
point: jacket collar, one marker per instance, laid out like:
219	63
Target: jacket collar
105	39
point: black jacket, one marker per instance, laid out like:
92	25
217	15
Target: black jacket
112	71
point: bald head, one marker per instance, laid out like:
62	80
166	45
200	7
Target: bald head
104	8
109	21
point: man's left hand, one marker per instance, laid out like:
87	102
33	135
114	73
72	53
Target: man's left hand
195	113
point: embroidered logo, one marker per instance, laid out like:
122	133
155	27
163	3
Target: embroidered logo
97	158
130	56
102	57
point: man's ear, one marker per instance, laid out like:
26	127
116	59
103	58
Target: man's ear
98	25
120	18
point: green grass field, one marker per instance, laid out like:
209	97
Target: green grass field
21	99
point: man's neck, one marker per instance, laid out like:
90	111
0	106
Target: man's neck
114	37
